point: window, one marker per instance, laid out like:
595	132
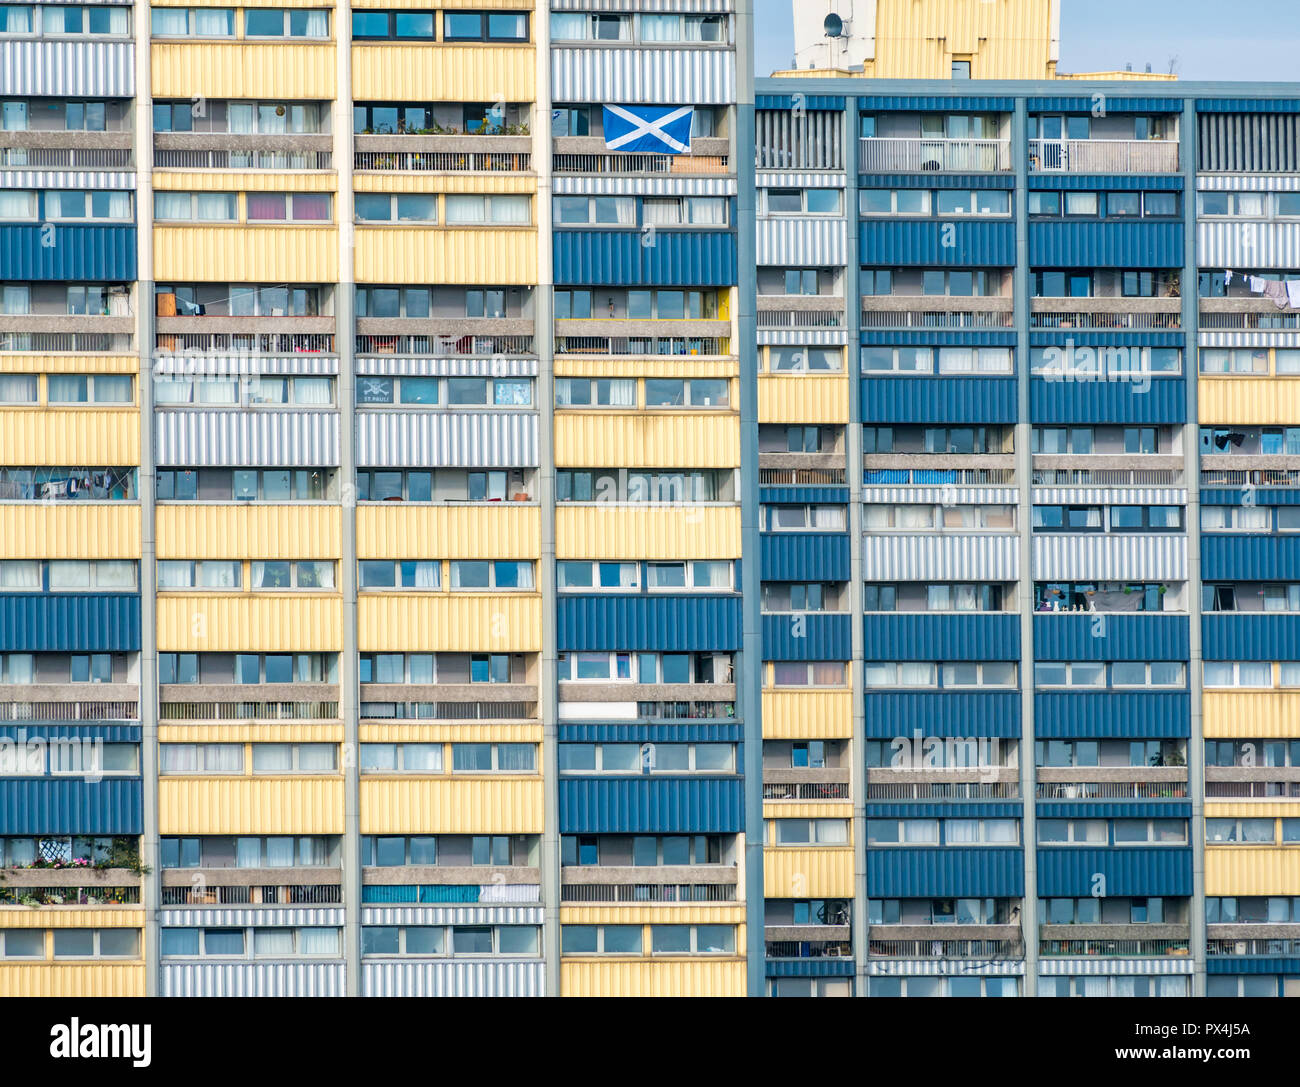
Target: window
898	360
804	202
469	210
1255	674
811	832
293	575
902	831
296	207
393	25
476	26
205	207
193	22
597	576
70	205
210	574
396	208
804	518
914	674
102	574
90	389
581	392
697	393
808	674
295	758
273	23
479	575
201	758
908	202
790	360
1229	361
1076	674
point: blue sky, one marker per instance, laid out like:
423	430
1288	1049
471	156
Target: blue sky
1213	39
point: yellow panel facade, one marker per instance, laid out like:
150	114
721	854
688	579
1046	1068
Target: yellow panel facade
247	805
652	366
807	399
244	254
467	732
808	873
824	809
919	39
30	363
423	73
69	438
235	181
248	623
1241	400
705	977
472	806
428	181
602	439
654	915
249	531
449	622
301	732
654	533
113	917
72	979
807	715
502	531
1252	715
1251	870
505	255
243	70
70	531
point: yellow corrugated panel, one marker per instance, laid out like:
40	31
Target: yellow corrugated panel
243	70
233	181
1240	400
807	715
449	622
1252	714
640	440
469	732
475	806
459	73
70	531
243	254
806	399
916	39
397	531
69	364
250	805
1252	870
707	977
628	532
506	255
808	873
247	531
225	623
64	917
71	979
101	436
302	732
782	809
733	914
396	181
624	366
1251	809
245	4
423	5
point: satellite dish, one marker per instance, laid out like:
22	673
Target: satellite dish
834	26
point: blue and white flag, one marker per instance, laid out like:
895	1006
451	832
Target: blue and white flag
663	130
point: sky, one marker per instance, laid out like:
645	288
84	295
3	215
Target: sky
1212	39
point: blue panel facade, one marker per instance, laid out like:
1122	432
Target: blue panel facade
614	258
1105	244
939	400
1103	636
1160	401
71	806
941	637
939	873
649	623
806	556
1118	715
72	252
1071	873
970	713
676	733
70	622
1273	637
651	805
1249	558
937	243
813	636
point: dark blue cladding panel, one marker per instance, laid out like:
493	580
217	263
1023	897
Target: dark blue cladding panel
1106	182
71	622
929	102
688	732
669	623
809	968
651	806
937	242
804	494
1161	400
943	873
1249	558
1104	636
902	713
625	258
1235	964
1071	873
71	806
19	731
1117	809
944	809
936	181
806	101
938	400
1101	244
941	637
1251	637
806	556
807	637
1121	715
1086	104
73	252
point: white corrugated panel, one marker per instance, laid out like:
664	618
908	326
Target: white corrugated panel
65	179
655	76
289	439
929	968
451	978
937	557
1270	338
1248	245
76	69
1110	557
800	179
253	979
264	917
803	242
510	892
451	915
1109	496
645	186
446	439
946	496
1167	965
666	6
245	364
419	366
1248	182
821	337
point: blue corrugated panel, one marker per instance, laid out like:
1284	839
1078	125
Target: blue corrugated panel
1083	338
806	556
89	730
390	896
667	623
1105	636
651	805
936	181
809	968
1106	182
938	400
85	253
1163	400
431	893
926	338
71	806
1118	715
938	242
807	101
945	873
1116	809
929	102
1105	244
1259	637
942	809
804	494
1112	104
1240	964
686	732
70	622
926	637
622	258
1232	496
1248	105
1249	558
1071	873
807	636
970	713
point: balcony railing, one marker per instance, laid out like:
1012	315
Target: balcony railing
940	949
886	154
1117	949
640	164
1107	477
806	790
1263	477
289	894
941	790
1252	947
445	162
641	345
1111	790
69	896
686	711
225	159
809	949
936	319
800	318
69	711
76	342
1253	790
79	158
444	345
446	711
939	477
248	711
245	343
1104	156
648	892
801	477
1108	319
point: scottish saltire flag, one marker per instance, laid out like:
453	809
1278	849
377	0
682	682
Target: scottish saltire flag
664	130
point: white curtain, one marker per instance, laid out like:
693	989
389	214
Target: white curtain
219	575
168	22
317	24
273	942
16	20
16	204
174	206
569	26
428	575
318	941
17	389
525	575
69	575
313	390
22	666
707	210
239	116
916	674
316	758
214	23
178	758
20	575
660	212
465	209
421	666
175	575
172	389
217	390
115	575
213	207
661	28
622	393
962	831
248	852
510	209
712	575
16	300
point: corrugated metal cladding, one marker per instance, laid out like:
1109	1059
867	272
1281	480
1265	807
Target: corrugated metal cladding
937	243
39	730
451	915
252	979
1232	496
67	179
290	439
923	968
1106	182
380	978
665	623
1258	245
267	918
77	69
1249	339
809	968
701	732
1251	637
1108	496
615	258
945	809
1248	105
705	77
943	102
496	366
803	241
803	494
651	806
70	622
941	637
1121	715
941	873
1115	967
936	181
825	337
71	806
942	558
1249	558
787	101
1117	809
939	400
1105	245
1248	183
1111	104
969	713
670	6
443	439
799	137
57	251
245	364
1103	636
1110	557
800	179
1163	400
807	637
1072	872
1237	965
806	556
646	186
925	338
1249	142
1107	339
939	493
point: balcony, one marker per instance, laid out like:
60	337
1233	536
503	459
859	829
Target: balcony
1252	783
1103	156
928	785
641	346
101	712
1065	471
938	470
831	783
1217	946
943	949
80	333
616	883
170	711
1159	784
799	311
252	887
382	710
443	154
1245	314
66	150
934	312
97	887
1260	477
889	155
799	477
809	949
587	155
1128	314
241	151
444	346
1108	948
674	894
245	335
